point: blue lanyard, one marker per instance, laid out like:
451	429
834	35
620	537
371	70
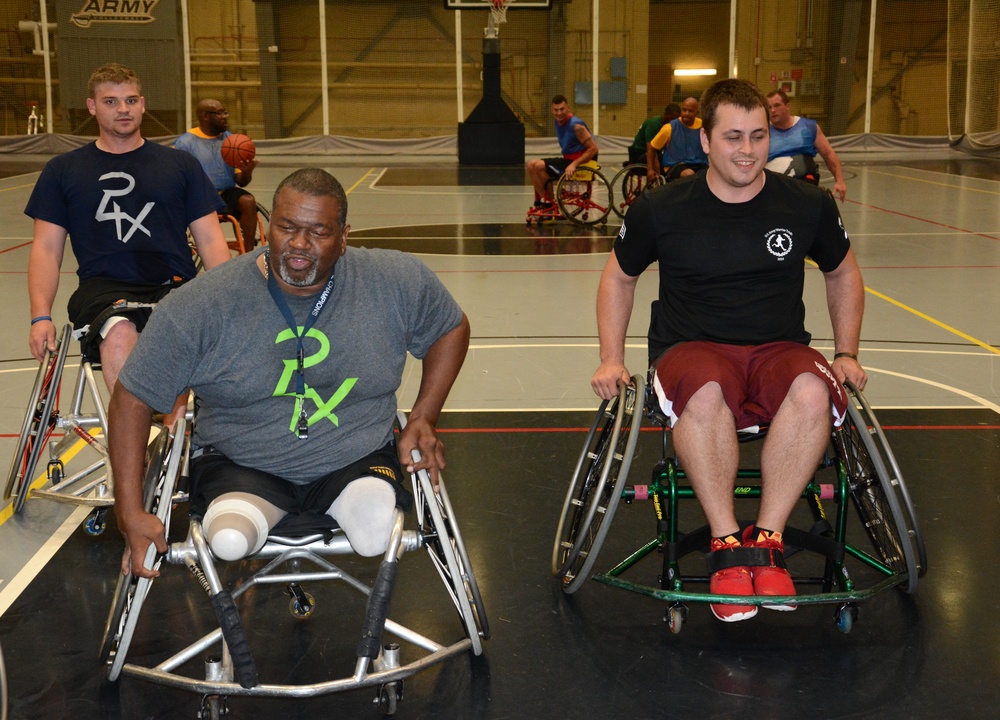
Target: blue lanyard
300	376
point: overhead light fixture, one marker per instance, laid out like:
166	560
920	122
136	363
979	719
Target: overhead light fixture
695	71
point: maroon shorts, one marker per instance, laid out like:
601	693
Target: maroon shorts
754	378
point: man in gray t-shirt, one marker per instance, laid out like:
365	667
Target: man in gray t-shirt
295	354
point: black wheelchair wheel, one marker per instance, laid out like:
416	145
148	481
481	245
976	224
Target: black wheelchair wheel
878	491
39	421
585	198
596	486
629	184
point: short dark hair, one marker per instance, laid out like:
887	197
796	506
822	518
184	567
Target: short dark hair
780	93
114	73
318	183
672	109
732	91
558	99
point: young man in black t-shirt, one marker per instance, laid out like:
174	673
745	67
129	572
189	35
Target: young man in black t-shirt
727	335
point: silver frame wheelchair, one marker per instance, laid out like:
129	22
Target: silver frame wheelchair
92	485
230	669
864	473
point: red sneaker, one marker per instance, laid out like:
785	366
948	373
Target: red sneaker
731	581
770	579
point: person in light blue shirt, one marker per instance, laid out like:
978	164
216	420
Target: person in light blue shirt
205	142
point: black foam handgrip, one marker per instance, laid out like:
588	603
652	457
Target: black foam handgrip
232	631
377	610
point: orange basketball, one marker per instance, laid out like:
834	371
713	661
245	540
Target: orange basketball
237	150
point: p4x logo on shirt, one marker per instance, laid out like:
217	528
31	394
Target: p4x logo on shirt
117	216
285	386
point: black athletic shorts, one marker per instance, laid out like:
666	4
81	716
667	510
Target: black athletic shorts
96	295
232	199
213	474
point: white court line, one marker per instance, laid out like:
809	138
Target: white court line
35	369
642	346
41	558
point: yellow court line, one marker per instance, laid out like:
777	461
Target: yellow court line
360	180
17	187
928	318
933	182
8	512
924	316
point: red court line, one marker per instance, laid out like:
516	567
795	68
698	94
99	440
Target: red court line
921	219
480	431
16	247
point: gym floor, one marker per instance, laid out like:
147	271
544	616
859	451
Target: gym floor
926	229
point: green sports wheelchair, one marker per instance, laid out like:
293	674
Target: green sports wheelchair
858	469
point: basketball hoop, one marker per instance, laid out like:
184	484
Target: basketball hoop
498	16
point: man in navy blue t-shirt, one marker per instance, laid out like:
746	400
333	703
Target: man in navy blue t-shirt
126	205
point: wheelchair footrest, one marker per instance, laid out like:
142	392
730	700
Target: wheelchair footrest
744	556
232	631
377	610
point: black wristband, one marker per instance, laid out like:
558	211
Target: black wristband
850	355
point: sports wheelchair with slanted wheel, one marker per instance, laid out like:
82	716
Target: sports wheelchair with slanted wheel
859	469
585	198
629	183
230	668
92	485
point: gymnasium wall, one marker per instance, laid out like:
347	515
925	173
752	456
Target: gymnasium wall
406	69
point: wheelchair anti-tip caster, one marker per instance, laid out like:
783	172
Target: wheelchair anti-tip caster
302	603
213	707
845	616
675	617
389	694
96	522
55	471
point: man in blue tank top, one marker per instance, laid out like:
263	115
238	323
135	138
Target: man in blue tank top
577	146
679	143
794	143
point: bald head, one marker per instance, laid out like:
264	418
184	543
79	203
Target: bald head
212	116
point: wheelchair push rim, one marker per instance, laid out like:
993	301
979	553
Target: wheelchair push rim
38	423
596	487
130	591
878	492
